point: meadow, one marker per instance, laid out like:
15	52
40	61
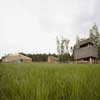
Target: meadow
42	81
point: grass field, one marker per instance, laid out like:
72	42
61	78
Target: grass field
41	81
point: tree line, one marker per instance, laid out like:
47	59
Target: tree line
44	57
39	57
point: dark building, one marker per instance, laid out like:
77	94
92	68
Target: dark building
86	51
98	53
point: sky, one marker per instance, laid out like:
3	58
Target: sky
31	26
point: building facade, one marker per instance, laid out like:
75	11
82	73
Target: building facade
52	59
86	52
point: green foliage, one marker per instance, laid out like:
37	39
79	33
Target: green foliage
58	45
41	81
77	41
65	58
62	49
95	35
62	46
0	60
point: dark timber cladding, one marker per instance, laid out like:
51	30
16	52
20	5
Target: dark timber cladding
86	51
98	52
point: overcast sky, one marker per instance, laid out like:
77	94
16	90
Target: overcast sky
31	26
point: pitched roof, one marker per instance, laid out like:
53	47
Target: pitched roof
16	56
82	42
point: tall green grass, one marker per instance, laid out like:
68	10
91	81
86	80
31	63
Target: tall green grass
41	81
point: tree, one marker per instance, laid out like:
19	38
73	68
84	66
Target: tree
0	60
95	35
66	43
77	41
58	45
62	47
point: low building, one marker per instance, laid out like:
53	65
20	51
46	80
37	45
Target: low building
86	51
16	58
52	59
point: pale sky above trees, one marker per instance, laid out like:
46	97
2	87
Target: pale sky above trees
31	26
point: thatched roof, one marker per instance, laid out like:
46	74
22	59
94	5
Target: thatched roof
15	57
